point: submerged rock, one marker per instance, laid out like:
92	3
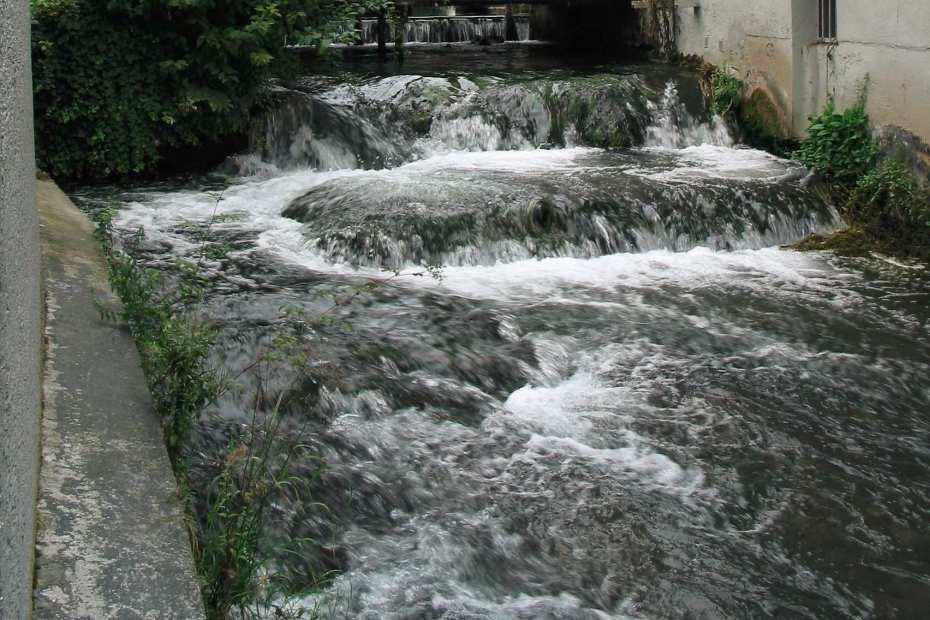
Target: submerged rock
470	210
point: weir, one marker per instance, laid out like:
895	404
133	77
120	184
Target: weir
593	24
453	29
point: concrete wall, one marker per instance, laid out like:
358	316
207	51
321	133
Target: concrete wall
19	315
774	46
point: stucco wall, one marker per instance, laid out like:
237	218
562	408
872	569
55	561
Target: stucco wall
756	41
773	45
890	42
19	314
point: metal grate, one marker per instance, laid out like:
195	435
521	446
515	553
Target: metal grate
826	19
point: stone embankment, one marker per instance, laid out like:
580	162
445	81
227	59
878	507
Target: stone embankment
111	541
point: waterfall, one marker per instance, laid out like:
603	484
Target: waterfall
388	121
456	29
436	211
673	127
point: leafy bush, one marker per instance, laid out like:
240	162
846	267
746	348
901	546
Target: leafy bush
890	204
839	146
726	91
120	83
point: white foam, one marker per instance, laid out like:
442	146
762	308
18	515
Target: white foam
698	268
588	417
714	161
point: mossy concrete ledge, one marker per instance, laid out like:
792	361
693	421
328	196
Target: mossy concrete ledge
111	539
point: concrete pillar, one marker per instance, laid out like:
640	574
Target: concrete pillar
805	65
360	28
382	33
400	32
510	26
20	309
542	25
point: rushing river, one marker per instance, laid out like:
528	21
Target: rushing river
620	399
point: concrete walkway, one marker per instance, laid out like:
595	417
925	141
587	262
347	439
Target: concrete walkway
111	541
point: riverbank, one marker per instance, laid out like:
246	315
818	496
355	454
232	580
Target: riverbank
111	540
876	178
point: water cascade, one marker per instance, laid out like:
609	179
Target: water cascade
620	400
454	29
383	122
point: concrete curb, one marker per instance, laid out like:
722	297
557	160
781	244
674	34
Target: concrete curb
111	541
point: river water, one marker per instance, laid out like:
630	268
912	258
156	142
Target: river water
619	399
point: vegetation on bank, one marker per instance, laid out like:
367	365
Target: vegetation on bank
120	85
229	515
173	342
882	202
231	510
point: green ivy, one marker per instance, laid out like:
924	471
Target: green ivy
120	83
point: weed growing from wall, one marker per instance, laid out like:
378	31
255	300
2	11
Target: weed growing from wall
726	91
658	26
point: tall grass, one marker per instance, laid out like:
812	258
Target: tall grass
229	518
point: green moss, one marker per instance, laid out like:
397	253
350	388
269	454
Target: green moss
761	115
761	124
422	122
852	241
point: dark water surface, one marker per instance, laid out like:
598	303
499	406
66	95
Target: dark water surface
621	400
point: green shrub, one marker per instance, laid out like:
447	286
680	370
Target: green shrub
839	146
726	91
886	207
890	204
120	83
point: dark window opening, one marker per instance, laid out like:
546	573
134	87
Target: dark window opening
826	19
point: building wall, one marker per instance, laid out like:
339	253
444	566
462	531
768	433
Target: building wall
889	42
19	315
773	45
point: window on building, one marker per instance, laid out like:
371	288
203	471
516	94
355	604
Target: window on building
826	19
